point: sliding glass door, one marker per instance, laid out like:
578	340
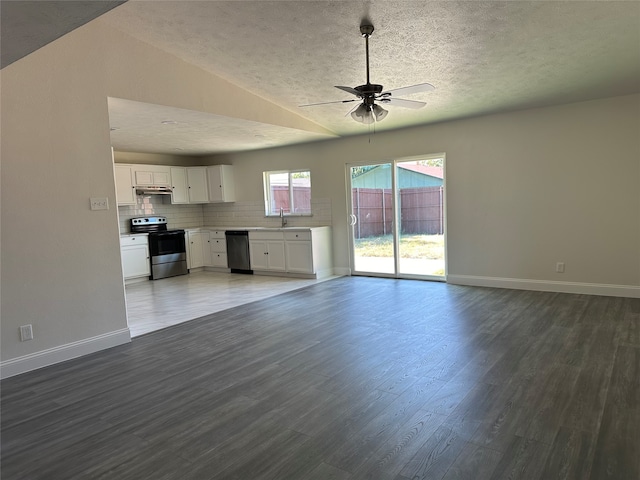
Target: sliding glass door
372	219
397	221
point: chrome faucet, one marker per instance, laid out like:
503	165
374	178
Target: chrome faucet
284	220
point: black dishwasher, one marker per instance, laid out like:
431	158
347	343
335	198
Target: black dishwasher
238	258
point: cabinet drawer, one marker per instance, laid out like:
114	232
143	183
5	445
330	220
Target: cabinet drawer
216	233
260	235
299	235
135	240
219	259
218	244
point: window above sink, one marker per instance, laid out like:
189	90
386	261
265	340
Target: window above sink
287	192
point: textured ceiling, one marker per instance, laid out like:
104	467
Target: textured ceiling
482	57
142	127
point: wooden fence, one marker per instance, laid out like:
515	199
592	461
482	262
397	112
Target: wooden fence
301	199
421	211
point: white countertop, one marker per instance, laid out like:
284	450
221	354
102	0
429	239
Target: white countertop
272	229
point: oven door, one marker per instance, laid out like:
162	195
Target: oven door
166	243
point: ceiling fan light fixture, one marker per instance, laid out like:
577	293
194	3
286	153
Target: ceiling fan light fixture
362	114
379	112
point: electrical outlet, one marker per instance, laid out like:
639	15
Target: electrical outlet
560	267
26	333
99	203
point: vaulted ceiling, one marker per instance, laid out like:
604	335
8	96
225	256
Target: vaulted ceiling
481	56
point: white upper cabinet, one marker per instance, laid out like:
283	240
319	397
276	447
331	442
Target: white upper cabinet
197	184
221	183
188	184
152	175
179	185
125	190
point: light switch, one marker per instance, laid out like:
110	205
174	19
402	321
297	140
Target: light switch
99	203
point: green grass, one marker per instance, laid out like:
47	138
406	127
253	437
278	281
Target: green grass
429	247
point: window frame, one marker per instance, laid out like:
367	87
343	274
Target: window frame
267	192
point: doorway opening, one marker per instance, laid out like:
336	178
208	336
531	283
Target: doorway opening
397	218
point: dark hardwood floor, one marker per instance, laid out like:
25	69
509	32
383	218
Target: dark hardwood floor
354	378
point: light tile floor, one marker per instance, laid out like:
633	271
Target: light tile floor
158	304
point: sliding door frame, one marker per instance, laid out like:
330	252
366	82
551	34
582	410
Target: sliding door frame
396	220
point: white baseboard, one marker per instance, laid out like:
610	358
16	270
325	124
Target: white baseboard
51	356
547	286
342	271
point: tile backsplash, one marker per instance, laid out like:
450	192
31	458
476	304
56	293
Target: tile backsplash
236	214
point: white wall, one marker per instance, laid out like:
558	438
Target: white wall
60	265
524	190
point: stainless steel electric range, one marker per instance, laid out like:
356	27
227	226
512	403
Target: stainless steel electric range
167	247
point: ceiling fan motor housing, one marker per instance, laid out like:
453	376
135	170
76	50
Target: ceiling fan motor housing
366	30
369	90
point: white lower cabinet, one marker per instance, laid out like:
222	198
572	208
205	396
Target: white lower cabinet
299	252
308	251
303	252
217	250
195	248
266	250
134	251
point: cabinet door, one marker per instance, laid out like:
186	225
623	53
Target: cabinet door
162	176
152	175
143	177
299	257
196	257
258	254
206	249
275	254
197	181
135	261
125	192
221	183
179	185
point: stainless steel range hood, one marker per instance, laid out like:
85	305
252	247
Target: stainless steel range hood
153	190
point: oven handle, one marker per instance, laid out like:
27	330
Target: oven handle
162	234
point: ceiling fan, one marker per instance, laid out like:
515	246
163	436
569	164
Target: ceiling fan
368	94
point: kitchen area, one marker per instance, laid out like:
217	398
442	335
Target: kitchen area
189	249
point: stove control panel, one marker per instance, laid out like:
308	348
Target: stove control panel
149	221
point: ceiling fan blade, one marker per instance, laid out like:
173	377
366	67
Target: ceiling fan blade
327	103
349	112
350	90
401	102
421	87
